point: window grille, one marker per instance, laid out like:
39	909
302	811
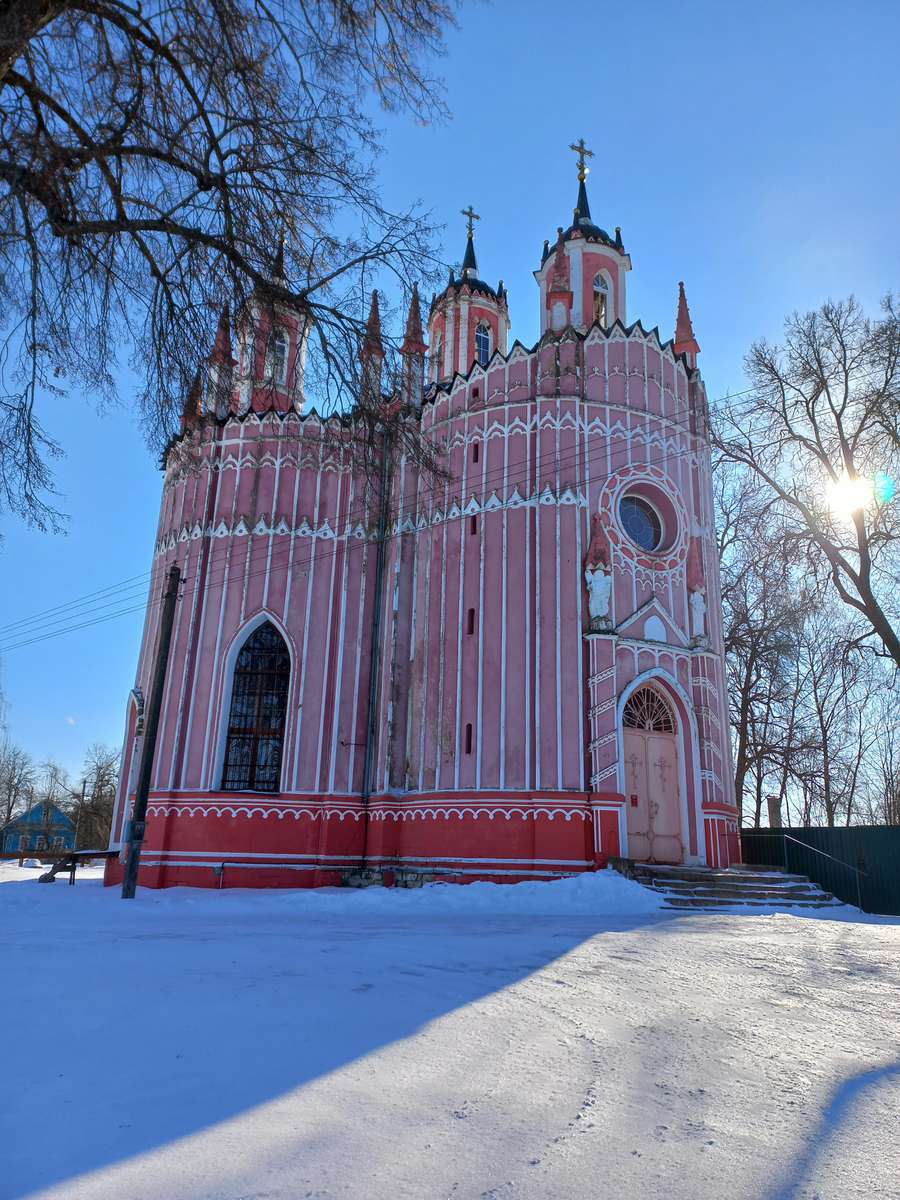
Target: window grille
601	300
258	707
647	710
483	344
278	356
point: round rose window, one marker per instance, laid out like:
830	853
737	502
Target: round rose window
641	522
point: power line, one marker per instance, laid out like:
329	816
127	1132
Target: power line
480	481
361	510
323	555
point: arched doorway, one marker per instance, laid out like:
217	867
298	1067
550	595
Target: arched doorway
651	778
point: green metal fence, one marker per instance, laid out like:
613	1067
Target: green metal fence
859	864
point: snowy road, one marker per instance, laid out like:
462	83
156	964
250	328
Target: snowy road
554	1040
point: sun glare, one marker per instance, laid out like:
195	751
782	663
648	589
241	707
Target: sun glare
848	496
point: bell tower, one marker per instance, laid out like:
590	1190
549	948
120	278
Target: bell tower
582	277
272	333
469	320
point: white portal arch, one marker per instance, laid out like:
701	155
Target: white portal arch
668	681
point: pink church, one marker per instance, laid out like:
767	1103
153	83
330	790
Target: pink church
514	674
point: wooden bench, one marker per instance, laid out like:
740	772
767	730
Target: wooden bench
69	860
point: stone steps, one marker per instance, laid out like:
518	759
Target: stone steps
702	889
706	875
710	904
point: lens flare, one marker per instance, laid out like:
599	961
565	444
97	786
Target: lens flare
883	487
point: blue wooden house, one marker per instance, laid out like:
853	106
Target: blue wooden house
43	827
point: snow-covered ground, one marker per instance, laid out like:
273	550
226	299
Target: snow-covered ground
549	1040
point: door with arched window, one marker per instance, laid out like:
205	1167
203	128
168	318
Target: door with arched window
652	799
255	739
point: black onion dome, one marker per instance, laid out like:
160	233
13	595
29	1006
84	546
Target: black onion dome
583	226
468	278
477	287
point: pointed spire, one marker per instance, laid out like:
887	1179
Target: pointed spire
372	345
559	275
582	208
413	351
413	340
191	412
278	275
685	342
220	372
469	265
372	353
221	351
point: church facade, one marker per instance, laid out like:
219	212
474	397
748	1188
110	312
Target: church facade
514	672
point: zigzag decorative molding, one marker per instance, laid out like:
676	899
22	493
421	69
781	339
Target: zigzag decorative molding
524	813
422	813
278	526
252	810
601	677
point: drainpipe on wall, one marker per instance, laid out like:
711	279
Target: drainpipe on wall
375	655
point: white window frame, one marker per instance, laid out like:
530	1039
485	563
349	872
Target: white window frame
484	330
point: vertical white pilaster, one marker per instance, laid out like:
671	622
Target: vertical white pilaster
463	362
576	262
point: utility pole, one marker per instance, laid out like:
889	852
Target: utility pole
138	821
80	811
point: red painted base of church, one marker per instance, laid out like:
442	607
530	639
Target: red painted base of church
228	840
219	840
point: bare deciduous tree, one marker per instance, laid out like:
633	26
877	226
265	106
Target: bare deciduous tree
92	809
764	611
151	157
16	780
822	414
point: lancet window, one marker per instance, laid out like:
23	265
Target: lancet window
278	358
601	300
483	344
255	743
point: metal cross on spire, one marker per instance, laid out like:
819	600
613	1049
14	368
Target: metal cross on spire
471	216
582	151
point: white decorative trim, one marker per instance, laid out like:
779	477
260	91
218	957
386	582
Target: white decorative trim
669	681
323	813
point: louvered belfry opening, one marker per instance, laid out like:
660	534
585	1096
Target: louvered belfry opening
258	708
646	709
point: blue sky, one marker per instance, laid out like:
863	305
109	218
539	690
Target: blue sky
751	150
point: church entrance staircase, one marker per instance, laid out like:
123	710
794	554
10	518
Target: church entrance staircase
705	890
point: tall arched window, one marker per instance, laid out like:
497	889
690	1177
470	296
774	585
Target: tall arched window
483	343
601	300
437	356
258	706
278	358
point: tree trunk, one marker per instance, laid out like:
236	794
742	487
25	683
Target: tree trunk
20	21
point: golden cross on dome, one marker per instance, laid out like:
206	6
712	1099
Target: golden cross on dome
582	151
471	216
